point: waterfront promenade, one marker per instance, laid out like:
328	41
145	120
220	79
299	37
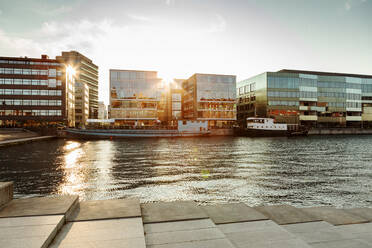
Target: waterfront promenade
63	221
18	136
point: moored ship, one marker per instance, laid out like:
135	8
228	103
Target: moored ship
266	127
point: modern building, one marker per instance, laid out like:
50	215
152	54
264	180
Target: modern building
102	111
81	104
137	98
210	97
311	98
87	73
35	91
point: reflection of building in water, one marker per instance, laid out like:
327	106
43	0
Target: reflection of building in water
136	97
210	97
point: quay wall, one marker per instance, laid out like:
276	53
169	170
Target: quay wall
6	192
330	131
222	132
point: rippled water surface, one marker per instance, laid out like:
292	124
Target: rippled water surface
306	171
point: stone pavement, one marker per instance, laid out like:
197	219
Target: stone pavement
64	222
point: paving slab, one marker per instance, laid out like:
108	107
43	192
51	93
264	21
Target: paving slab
6	192
285	214
126	233
365	213
214	243
334	216
249	226
351	243
171	211
106	209
178	226
183	236
33	232
232	213
308	227
39	206
269	236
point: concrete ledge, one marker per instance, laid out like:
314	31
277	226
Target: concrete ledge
25	140
6	192
337	131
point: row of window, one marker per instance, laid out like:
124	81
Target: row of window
34	112
283	94
284	103
27	62
11	102
247	88
353	104
30	92
16	71
16	81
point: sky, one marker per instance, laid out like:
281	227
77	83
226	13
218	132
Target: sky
178	38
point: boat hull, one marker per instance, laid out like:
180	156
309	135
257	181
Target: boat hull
263	133
122	134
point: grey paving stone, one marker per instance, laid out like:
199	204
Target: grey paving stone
171	211
118	243
29	232
183	236
106	209
285	214
356	228
285	243
241	239
324	235
351	243
31	221
214	243
248	226
178	226
233	212
85	233
365	213
308	227
334	216
39	206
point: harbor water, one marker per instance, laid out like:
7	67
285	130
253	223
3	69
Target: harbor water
300	171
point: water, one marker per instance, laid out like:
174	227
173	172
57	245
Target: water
305	171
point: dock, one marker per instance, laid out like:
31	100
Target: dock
24	140
64	221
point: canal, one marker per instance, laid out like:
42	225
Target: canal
303	171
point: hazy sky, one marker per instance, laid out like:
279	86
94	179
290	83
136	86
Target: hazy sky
181	37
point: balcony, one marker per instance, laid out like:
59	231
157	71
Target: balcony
331	119
316	108
353	118
304	108
308	118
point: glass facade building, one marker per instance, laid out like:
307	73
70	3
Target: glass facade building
210	97
136	97
34	91
87	73
308	98
81	104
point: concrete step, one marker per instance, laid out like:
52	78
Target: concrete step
6	193
34	222
105	223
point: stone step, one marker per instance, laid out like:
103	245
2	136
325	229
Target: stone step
6	193
105	223
34	222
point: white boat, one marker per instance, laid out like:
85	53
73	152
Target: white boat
265	127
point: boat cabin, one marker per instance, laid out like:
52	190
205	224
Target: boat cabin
265	124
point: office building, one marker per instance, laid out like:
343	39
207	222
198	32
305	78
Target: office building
87	73
318	99
81	104
211	98
102	111
35	91
137	98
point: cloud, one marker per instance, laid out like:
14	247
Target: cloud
347	5
139	17
170	2
219	25
1	12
